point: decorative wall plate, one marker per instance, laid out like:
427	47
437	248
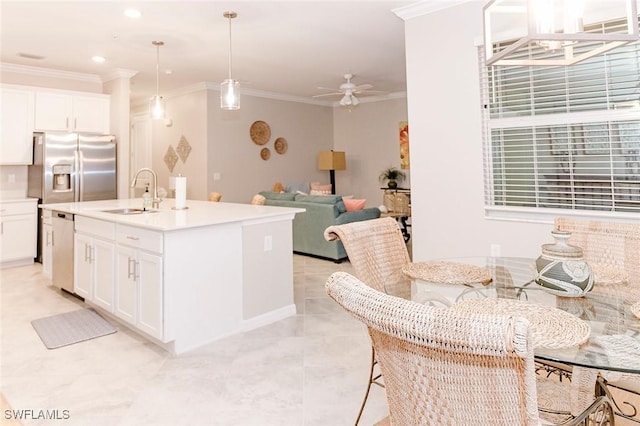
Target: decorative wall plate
260	132
281	145
265	153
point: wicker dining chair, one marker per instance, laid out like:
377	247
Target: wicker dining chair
612	249
443	367
377	252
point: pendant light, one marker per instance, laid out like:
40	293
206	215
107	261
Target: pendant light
156	105
559	32
229	88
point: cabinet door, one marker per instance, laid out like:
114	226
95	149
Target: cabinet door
17	115
16	237
82	269
53	111
103	274
150	294
47	233
126	285
91	114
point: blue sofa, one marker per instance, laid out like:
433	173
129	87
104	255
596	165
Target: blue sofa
321	211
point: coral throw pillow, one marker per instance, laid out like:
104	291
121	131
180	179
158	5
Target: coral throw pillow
354	204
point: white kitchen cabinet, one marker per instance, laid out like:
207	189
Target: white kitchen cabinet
47	243
17	115
94	262
18	228
62	111
139	282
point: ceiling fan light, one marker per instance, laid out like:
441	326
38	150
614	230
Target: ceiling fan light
230	94
354	100
346	100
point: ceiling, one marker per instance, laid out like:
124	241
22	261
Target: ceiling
288	47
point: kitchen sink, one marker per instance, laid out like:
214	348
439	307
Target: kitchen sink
129	211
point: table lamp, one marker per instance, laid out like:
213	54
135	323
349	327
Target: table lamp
332	161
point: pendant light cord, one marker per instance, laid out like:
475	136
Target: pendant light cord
157	70
230	16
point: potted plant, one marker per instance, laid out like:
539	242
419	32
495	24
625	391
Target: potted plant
392	176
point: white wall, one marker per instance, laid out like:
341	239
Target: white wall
307	128
446	144
369	136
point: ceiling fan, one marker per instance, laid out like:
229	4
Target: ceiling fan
348	91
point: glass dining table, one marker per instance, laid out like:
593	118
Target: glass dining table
611	330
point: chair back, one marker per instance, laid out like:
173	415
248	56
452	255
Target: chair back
443	367
606	244
377	251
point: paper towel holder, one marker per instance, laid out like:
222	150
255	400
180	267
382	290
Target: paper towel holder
175	207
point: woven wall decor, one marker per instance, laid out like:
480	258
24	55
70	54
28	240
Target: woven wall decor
280	145
170	158
265	153
260	132
183	149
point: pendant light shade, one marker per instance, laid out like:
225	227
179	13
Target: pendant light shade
230	88
156	104
556	32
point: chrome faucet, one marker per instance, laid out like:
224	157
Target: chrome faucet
156	200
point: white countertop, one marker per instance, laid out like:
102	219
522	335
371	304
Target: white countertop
199	213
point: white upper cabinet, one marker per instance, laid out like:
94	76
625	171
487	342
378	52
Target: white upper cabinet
59	111
16	122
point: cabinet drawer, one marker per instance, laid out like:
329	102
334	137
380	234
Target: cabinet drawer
139	238
20	207
99	228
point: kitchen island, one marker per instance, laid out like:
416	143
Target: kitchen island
184	278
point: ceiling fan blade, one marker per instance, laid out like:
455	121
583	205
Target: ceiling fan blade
362	87
328	94
326	88
366	92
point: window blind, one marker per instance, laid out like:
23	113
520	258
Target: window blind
563	137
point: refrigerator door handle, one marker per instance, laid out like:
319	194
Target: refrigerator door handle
80	188
76	177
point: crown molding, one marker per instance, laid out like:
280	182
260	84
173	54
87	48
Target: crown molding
50	73
425	7
119	73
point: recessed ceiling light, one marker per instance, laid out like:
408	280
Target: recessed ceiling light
98	59
132	13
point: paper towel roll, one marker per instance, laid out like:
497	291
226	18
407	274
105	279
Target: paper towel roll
181	192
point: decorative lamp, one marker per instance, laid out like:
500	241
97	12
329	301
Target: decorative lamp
332	161
156	104
558	32
230	88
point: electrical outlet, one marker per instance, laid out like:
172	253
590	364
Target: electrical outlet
11	178
216	176
495	250
268	243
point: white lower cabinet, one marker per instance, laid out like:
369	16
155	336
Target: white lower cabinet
18	226
139	289
139	283
94	262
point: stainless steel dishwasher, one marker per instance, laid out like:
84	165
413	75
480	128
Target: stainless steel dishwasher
62	267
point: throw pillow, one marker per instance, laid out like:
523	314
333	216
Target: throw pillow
258	200
277	187
298	186
354	204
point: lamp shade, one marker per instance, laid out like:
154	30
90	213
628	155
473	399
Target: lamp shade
332	160
555	32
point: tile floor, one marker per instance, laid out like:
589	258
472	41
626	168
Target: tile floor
308	370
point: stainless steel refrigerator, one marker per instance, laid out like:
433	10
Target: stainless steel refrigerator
70	167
